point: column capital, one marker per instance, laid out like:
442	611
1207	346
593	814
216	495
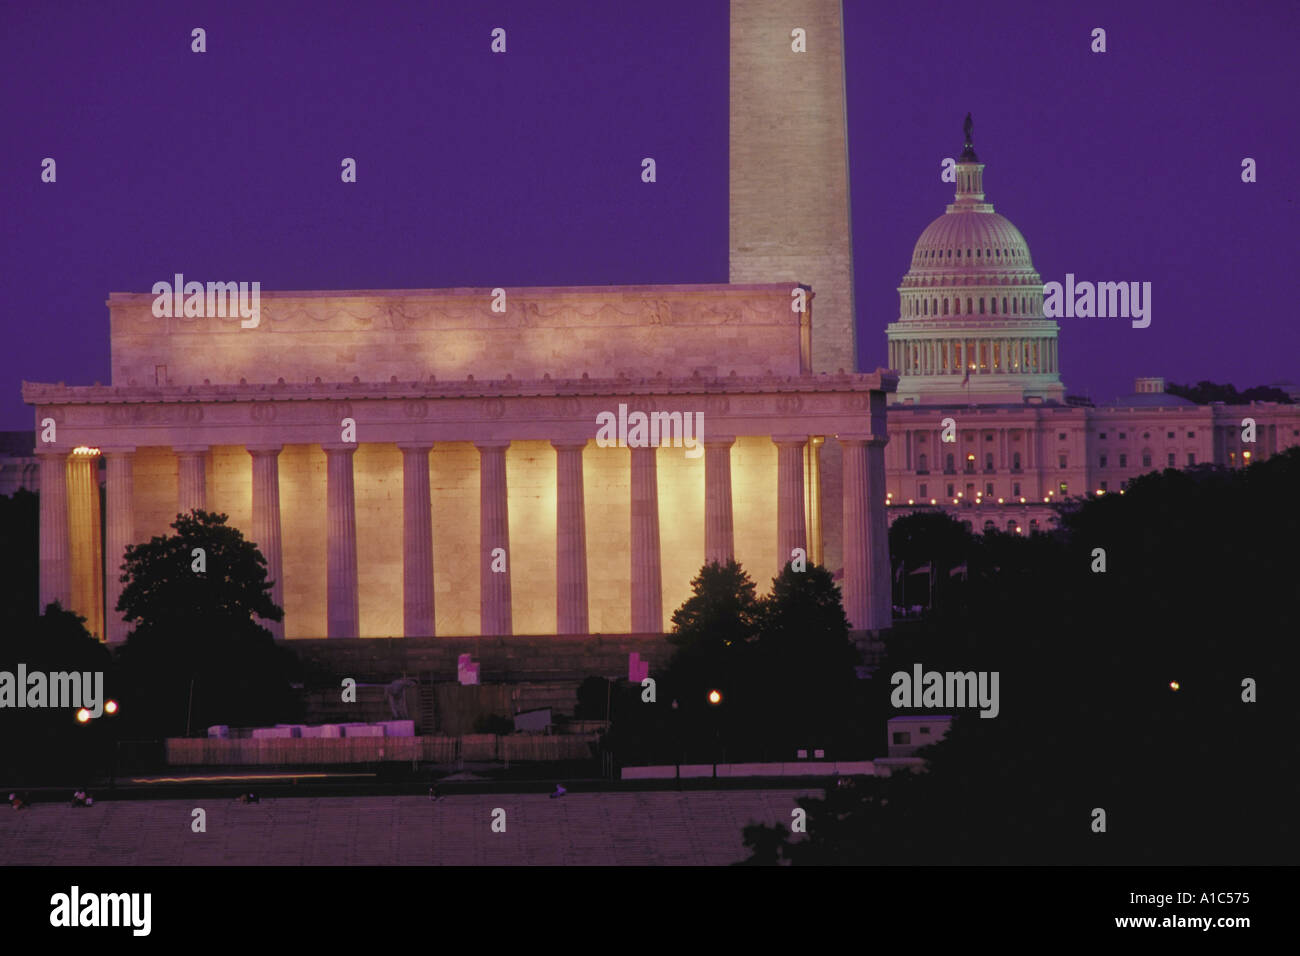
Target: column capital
569	444
190	449
790	439
486	444
112	451
424	446
346	448
266	449
720	441
53	452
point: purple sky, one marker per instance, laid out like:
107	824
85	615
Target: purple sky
524	169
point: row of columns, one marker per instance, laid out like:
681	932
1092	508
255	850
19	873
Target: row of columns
866	577
945	356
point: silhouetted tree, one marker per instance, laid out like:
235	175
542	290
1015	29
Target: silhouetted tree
195	655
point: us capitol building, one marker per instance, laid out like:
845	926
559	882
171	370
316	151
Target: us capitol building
972	344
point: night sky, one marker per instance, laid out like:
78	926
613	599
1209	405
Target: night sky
487	170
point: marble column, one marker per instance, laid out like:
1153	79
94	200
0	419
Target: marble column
494	532
856	588
342	613
417	541
719	530
880	612
791	520
119	530
647	584
266	523
866	588
84	540
55	556
191	477
570	539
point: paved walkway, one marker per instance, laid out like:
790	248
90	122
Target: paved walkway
646	828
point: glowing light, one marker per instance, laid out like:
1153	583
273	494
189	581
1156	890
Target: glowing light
85	450
1045	500
1174	685
1022	499
1017	529
954	501
970	457
910	501
999	501
110	707
1245	454
961	494
933	502
83	715
715	697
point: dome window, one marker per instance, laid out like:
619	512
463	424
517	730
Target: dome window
995	305
967	253
977	253
949	253
1004	305
945	306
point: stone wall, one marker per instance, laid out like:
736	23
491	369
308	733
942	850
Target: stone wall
409	335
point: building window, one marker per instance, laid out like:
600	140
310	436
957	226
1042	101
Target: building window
1102	436
956	306
988	437
1004	305
1146	434
951	492
981	305
945	306
923	491
1065	488
1015	460
949	467
1015	489
969	310
990	525
1103	486
922	464
1123	435
1169	434
1101	463
988	462
1146	459
1061	436
1171	459
1123	461
1033	525
1062	460
1193	434
901	737
1191	458
988	489
1015	310
1011	526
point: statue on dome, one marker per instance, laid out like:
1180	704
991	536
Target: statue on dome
967	127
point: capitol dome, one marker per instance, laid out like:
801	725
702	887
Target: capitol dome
971	323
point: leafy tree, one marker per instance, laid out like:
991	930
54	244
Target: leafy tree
196	656
1200	567
1205	392
48	745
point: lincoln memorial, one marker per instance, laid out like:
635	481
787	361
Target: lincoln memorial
425	462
